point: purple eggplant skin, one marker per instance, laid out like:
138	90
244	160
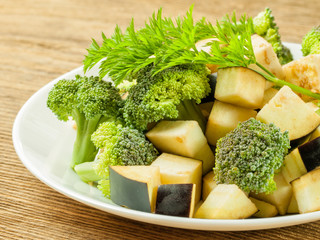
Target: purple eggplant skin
174	199
310	154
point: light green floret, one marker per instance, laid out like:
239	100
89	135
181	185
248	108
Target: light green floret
250	155
311	42
89	101
170	94
120	145
265	26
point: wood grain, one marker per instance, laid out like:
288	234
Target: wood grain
42	39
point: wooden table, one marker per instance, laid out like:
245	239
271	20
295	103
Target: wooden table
42	39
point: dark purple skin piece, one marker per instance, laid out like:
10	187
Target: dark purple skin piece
310	154
129	193
174	199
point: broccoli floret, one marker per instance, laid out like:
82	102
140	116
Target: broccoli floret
250	155
311	42
120	145
89	101
170	94
125	86
265	26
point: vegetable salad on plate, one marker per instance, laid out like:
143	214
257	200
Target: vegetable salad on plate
193	119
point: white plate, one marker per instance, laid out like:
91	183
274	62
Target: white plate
45	144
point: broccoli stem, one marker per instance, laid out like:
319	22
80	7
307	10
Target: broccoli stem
278	82
189	110
87	172
84	150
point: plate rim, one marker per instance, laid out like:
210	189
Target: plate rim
163	220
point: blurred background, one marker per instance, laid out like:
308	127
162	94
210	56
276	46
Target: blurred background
42	39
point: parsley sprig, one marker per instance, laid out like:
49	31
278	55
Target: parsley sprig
166	42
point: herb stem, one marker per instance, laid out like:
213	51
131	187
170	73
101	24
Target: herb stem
264	69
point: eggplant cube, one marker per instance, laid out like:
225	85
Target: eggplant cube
265	209
289	112
184	138
240	86
293	206
208	184
306	190
280	198
176	169
176	200
310	154
134	186
225	117
293	166
226	201
304	72
266	56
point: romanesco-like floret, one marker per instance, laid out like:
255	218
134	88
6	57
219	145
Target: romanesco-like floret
311	42
249	155
89	101
170	94
120	145
265	26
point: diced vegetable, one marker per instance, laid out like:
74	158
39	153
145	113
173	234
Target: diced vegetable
240	86
266	56
281	197
184	138
208	184
310	154
304	72
135	186
225	117
268	95
306	190
226	201
293	206
176	200
293	166
288	112
176	169
264	209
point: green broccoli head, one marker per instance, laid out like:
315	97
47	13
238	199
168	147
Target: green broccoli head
120	145
265	26
89	101
249	155
311	42
169	94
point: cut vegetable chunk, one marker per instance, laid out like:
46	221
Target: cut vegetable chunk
310	154
206	108
208	184
304	72
280	198
225	117
264	209
184	138
293	166
240	86
268	95
293	206
135	186
266	56
288	112
176	200
306	190
226	202
176	169
315	133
